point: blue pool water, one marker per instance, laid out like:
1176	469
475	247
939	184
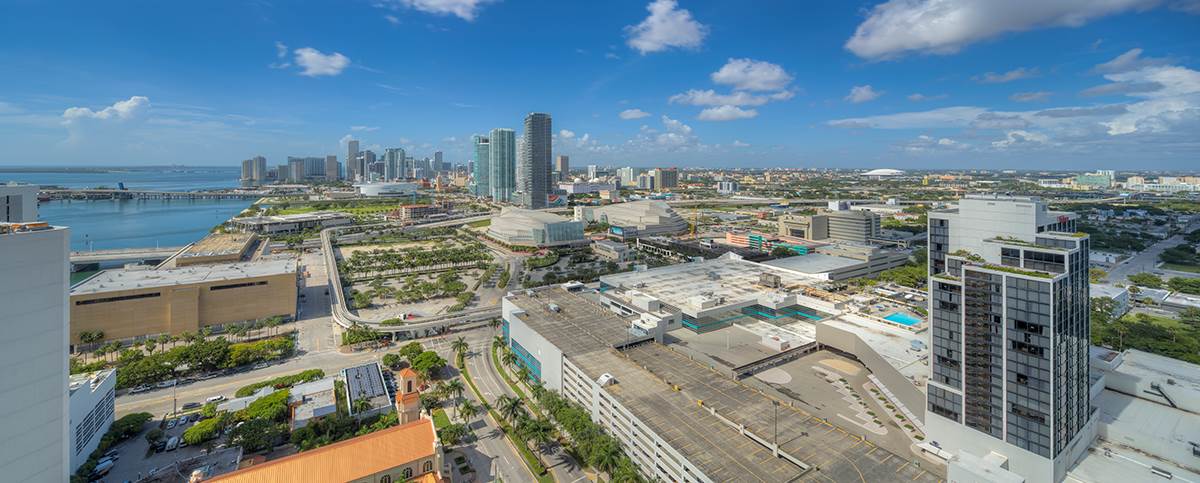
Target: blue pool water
903	319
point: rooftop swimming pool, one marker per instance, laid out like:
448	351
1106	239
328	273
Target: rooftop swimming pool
903	319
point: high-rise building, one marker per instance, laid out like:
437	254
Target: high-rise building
407	168
332	171
352	170
247	172
628	175
503	166
295	169
535	182
393	159
562	164
34	441
1009	305
665	178
437	161
482	166
259	169
592	170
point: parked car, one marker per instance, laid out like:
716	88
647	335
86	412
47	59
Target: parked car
112	453
182	443
173	443
160	445
191	405
141	388
171	424
167	383
102	469
215	399
262	365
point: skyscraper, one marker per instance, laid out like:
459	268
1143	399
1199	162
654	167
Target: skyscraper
665	178
352	170
481	166
1009	305
259	169
332	173
535	179
33	342
503	166
393	159
591	171
437	161
247	172
562	165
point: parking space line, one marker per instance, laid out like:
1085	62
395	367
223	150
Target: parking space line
885	460
906	463
918	475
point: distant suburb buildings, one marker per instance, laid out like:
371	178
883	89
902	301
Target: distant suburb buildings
1009	381
34	441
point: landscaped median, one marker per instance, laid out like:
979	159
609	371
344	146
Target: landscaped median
531	462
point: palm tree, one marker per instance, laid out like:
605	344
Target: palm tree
523	374
539	391
494	324
468	410
510	408
508	358
498	341
455	387
460	346
605	455
536	430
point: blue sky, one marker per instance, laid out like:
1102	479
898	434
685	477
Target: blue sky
1063	84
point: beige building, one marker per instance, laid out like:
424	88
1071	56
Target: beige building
130	305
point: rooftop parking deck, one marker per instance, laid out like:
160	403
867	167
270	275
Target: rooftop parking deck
578	326
835	454
717	448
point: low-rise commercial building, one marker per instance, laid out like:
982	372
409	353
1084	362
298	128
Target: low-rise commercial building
580	187
611	250
634	219
528	228
286	224
855	226
130	305
414	212
91	412
841	262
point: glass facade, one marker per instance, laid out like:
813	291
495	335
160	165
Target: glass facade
482	166
502	171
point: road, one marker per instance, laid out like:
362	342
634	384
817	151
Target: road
1146	260
564	468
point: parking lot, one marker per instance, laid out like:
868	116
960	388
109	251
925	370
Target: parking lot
133	462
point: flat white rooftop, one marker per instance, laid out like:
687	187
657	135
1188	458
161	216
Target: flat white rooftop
728	278
892	343
815	264
120	279
1136	436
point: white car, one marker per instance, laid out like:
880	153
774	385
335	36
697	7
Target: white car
215	399
141	388
167	383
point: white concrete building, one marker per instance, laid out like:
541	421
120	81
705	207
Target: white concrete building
634	219
33	348
91	412
529	228
372	190
18	202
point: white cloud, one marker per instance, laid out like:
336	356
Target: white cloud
1019	138
859	94
345	139
392	19
465	9
665	28
565	134
1127	88
726	113
611	56
629	114
898	27
737	143
1012	75
675	126
281	51
927	143
960	116
119	111
1131	60
752	75
709	97
364	128
1038	96
918	97
316	63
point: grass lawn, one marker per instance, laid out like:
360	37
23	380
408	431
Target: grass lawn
1164	322
440	420
1181	268
480	223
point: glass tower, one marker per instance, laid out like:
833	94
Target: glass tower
502	152
481	166
535	180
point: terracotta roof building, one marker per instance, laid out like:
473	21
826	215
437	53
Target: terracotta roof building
408	452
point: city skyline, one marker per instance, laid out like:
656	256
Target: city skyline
659	83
